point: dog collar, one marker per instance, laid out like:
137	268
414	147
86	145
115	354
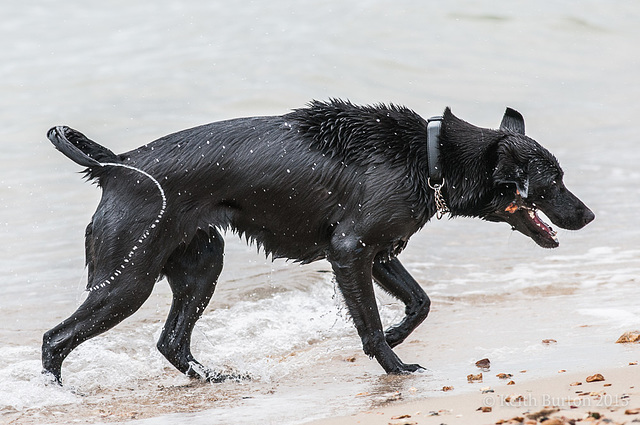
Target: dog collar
434	125
435	179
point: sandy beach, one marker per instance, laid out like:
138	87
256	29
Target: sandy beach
563	399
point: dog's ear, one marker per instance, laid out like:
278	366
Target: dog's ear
513	121
511	169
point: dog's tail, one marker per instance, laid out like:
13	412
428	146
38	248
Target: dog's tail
80	149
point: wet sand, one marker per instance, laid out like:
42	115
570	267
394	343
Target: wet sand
325	374
563	399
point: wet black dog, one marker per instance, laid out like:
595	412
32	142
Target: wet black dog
333	180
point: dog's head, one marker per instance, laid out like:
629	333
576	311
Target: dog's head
528	179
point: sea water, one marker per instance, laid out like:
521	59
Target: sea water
126	73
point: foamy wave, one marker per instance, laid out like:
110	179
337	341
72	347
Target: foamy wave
551	273
620	317
272	337
267	338
22	385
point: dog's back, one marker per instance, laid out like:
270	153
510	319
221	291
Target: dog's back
287	182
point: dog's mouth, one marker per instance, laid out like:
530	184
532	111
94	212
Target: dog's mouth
543	234
525	219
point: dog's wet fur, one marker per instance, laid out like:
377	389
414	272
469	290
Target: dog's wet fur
330	181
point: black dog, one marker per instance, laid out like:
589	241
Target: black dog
333	180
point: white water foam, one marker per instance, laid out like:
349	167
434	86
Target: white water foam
22	386
617	317
273	337
598	267
268	338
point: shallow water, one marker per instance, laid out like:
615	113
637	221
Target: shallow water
126	73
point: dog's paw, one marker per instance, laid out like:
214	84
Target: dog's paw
50	379
415	368
217	377
406	369
198	371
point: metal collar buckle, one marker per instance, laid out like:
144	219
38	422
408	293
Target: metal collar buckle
441	205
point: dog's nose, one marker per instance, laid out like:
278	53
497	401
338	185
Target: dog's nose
588	216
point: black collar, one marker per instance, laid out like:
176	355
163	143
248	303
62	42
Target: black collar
435	180
434	126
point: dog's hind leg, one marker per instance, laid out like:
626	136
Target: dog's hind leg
119	283
192	272
396	280
104	308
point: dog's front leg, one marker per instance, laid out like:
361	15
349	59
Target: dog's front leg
395	279
352	268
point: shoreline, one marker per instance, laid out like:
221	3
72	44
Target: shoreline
550	400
